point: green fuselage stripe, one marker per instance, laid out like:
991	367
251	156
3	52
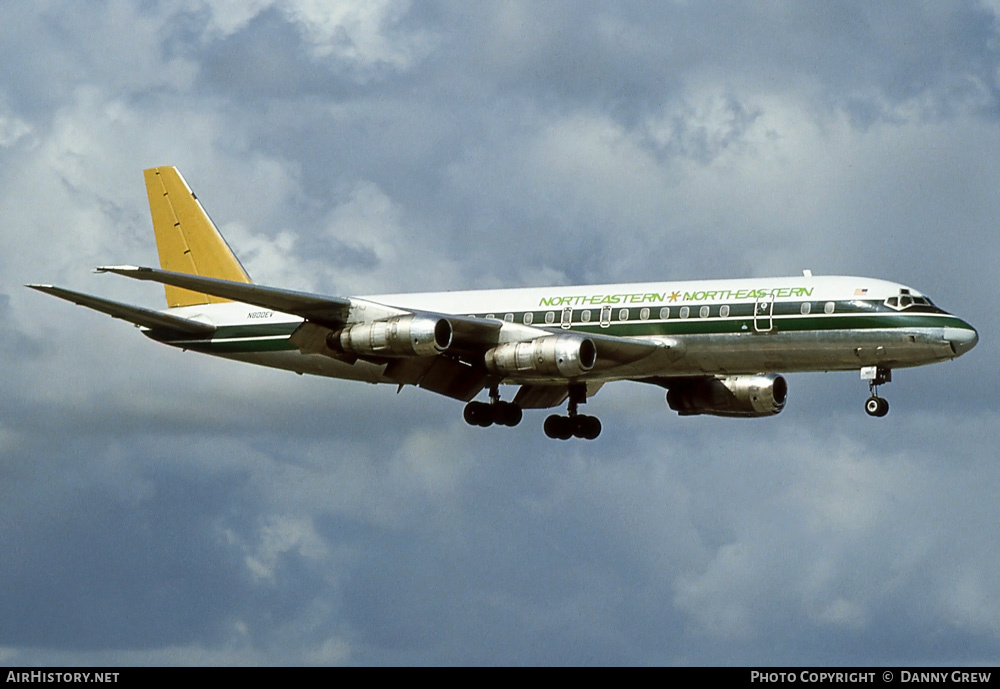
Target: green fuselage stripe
786	317
708	326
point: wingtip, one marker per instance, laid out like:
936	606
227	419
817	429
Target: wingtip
118	269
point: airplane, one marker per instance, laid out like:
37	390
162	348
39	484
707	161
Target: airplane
718	347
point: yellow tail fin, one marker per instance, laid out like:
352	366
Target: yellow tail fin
186	238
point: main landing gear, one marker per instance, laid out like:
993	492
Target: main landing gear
573	424
876	375
496	411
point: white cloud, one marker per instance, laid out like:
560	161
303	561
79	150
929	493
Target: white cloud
276	519
359	32
379	249
364	35
12	129
283	535
228	17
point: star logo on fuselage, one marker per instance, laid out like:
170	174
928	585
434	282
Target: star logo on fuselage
675	296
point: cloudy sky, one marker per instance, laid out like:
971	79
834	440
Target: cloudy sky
163	507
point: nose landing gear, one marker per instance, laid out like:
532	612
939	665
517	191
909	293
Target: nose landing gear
876	375
876	406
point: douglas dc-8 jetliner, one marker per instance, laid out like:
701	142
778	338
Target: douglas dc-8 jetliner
717	346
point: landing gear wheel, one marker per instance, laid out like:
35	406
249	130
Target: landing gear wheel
478	414
566	427
558	427
506	413
876	376
594	428
485	414
876	406
573	424
586	427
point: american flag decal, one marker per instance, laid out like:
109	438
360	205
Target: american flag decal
860	292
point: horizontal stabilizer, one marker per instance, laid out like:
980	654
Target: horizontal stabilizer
147	318
319	309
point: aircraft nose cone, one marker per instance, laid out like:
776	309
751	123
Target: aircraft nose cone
961	339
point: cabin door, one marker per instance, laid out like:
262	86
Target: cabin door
763	314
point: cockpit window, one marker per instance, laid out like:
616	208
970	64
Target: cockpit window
905	300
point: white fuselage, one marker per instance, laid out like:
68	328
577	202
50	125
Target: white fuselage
724	326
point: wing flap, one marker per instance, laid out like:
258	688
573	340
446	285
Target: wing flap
473	334
443	375
541	396
616	351
147	318
548	396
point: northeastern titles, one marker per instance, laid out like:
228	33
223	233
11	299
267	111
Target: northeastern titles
664	297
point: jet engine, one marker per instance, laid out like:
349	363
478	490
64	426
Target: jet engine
393	337
555	355
756	395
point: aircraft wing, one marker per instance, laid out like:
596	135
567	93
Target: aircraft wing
460	374
330	311
147	318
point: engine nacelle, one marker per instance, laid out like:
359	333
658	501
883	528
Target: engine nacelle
757	395
555	355
393	337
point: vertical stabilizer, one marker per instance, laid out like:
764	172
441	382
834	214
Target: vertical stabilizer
186	238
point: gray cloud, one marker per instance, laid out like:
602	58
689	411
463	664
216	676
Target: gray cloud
162	507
